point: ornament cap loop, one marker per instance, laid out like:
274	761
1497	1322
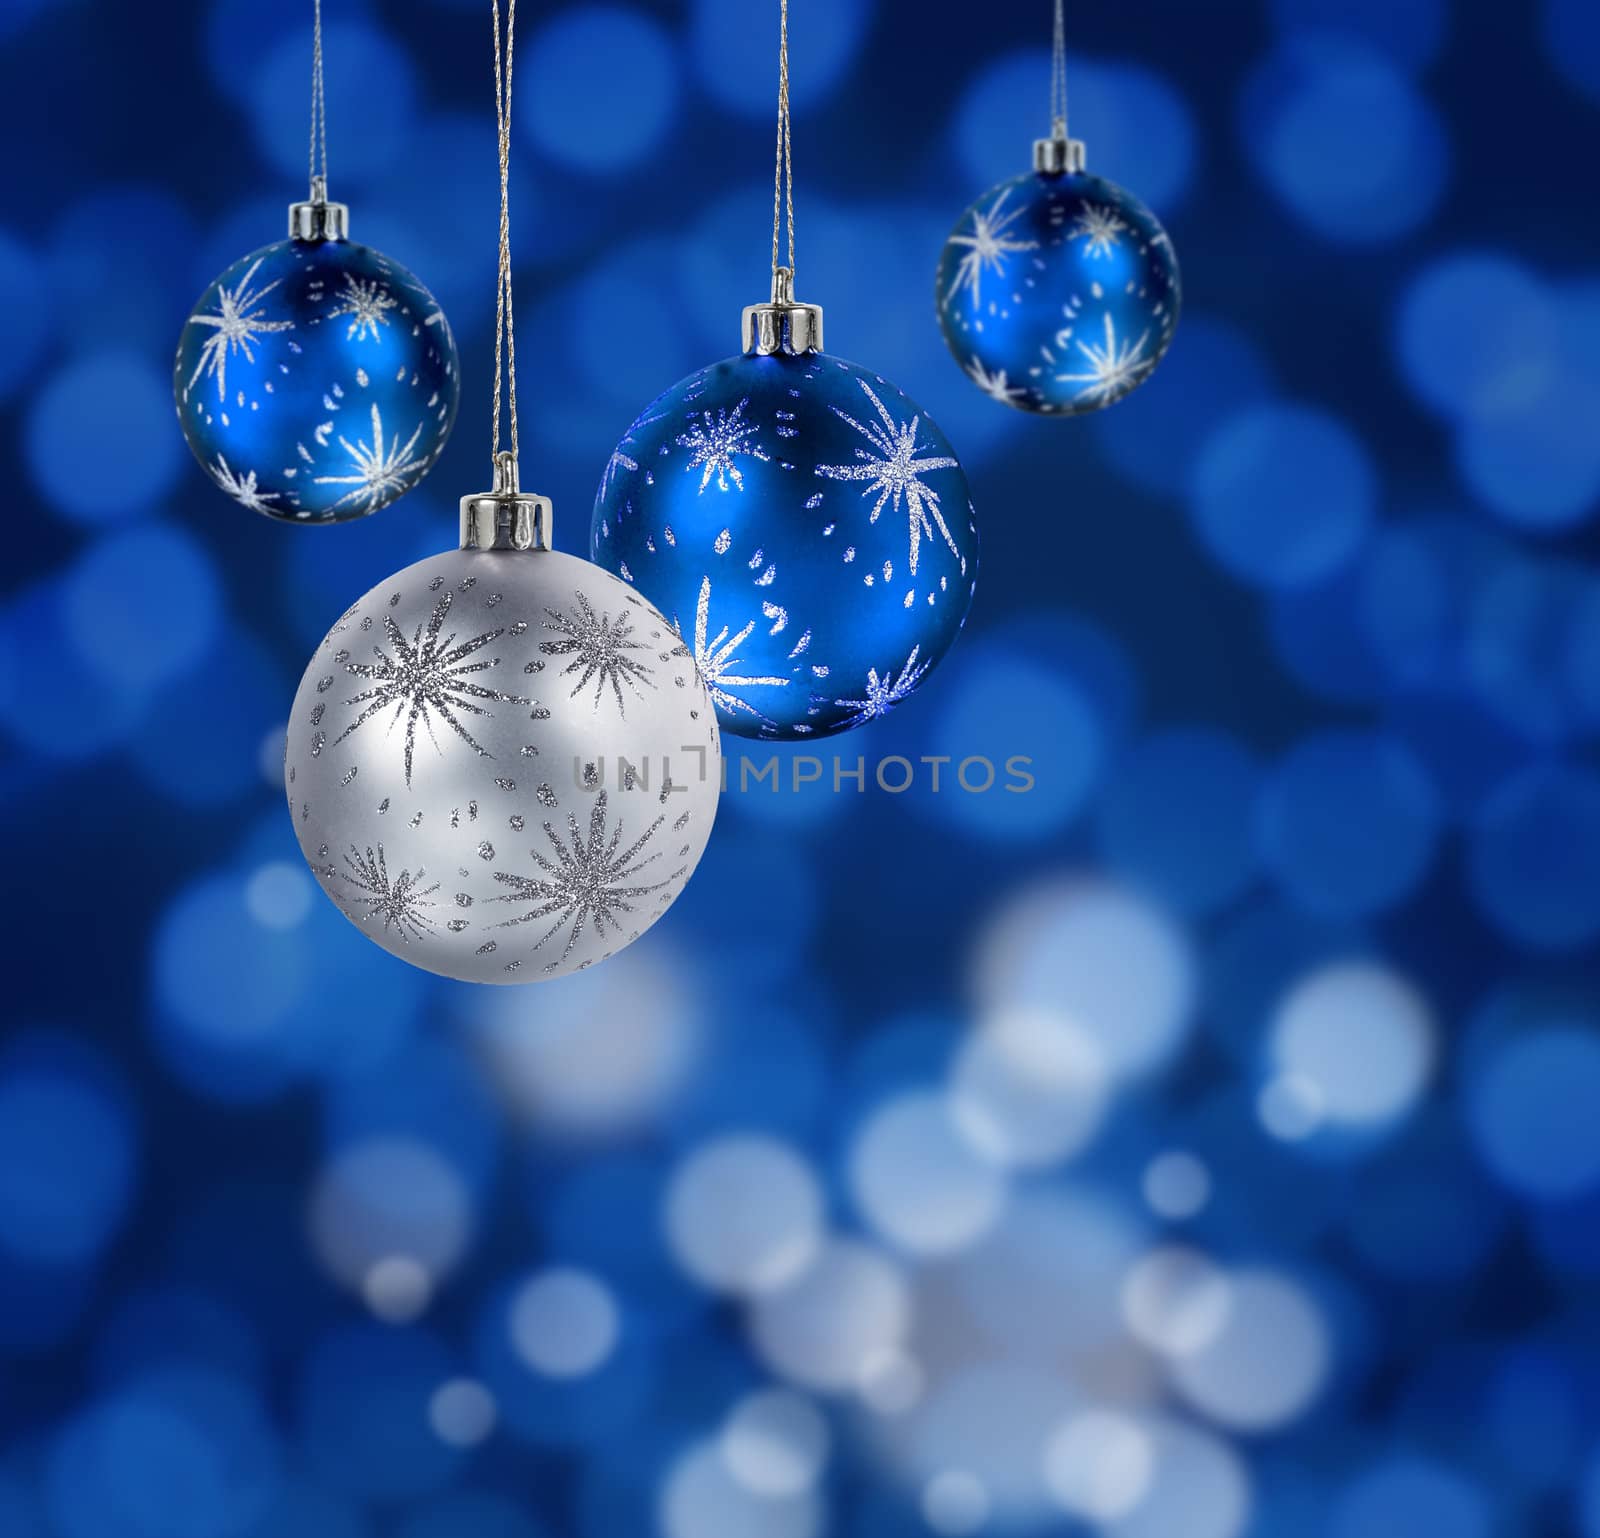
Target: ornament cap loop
1058	156
505	519
783	324
317	219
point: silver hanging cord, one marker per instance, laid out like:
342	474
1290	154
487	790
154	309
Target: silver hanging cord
1058	76
505	336
783	170
319	110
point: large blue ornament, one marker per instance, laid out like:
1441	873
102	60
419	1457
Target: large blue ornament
316	380
805	526
1058	291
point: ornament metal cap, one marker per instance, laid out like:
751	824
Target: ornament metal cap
505	519
317	219
1058	155
782	324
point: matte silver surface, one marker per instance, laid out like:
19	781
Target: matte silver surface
457	765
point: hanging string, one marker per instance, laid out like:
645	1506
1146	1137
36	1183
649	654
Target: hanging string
783	171
319	103
1058	76
505	334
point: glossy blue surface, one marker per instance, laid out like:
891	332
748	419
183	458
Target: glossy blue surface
1058	294
316	382
806	526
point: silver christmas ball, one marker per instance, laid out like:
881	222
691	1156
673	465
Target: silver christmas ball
502	764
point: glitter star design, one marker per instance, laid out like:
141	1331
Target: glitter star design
894	471
427	676
238	325
621	459
883	694
988	247
401	903
366	301
244	488
378	474
715	661
714	443
1101	228
584	881
598	647
1113	370
994	385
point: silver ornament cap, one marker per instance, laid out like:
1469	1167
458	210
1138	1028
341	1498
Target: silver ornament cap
1059	156
317	219
783	324
505	518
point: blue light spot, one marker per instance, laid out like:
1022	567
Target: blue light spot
1157	434
1533	855
431	1092
1536	464
1001	704
784	1057
1476	334
309	1512
1409	1494
567	1412
1530	1109
364	1412
1571	36
1346	142
1349	823
220	763
1466	753
1410	34
116	408
735	48
68	1149
1139	131
25	301
605	119
240	30
226	989
1178	818
1318	636
64	711
364	64
1403	604
183	1440
107	600
120	290
1283	495
600	319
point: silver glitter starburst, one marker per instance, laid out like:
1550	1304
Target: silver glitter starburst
716	440
988	247
883	694
715	661
401	903
244	489
599	648
994	385
894	471
237	325
366	301
1101	227
427	676
378	474
1112	370
584	881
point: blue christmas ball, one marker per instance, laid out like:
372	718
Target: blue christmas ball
808	530
1058	293
316	381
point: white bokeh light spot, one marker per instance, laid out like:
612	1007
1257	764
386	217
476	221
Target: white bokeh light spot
564	1323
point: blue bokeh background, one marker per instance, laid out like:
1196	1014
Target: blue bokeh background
1199	1144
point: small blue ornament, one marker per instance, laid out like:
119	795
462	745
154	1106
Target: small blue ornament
316	380
1058	291
804	525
